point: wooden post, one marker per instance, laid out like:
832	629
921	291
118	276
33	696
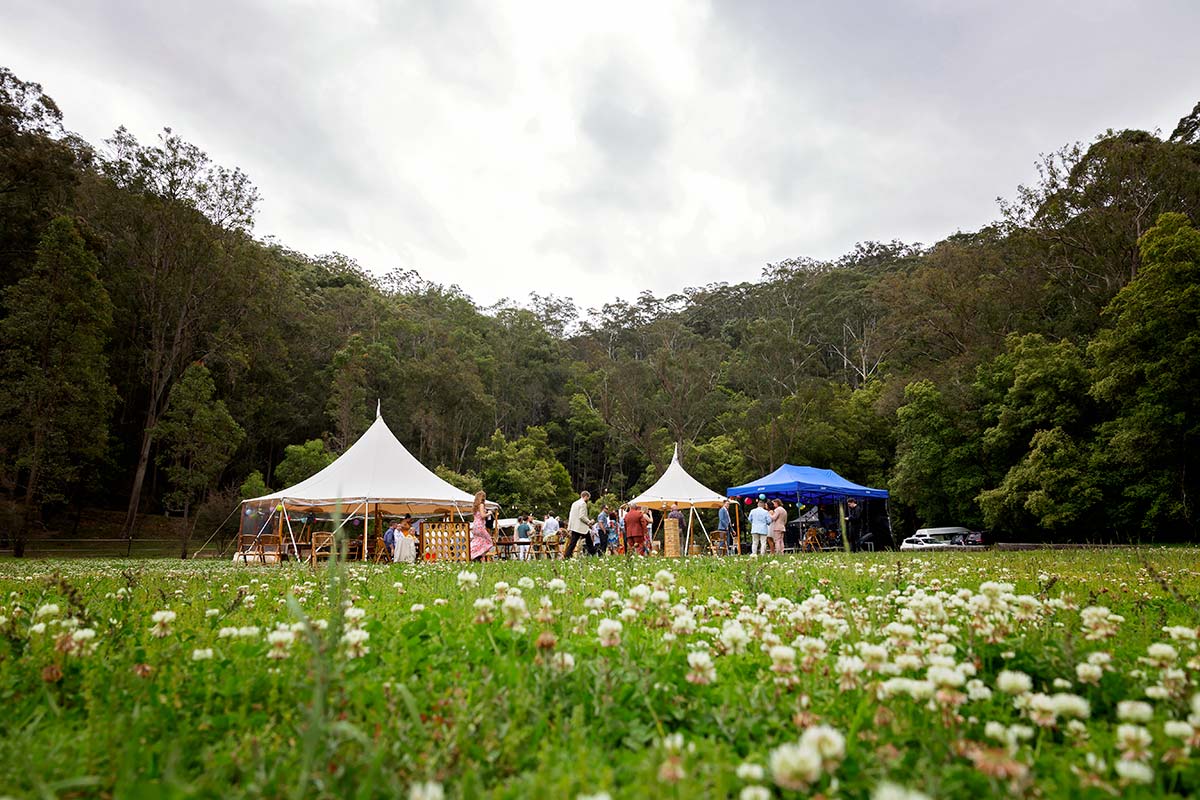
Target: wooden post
842	524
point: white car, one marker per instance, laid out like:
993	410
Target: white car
950	538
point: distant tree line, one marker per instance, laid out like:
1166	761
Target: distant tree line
1039	377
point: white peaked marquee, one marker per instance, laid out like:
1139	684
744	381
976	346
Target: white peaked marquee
677	486
378	474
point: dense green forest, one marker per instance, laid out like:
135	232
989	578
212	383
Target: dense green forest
1039	377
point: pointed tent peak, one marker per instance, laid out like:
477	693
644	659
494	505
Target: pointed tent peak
378	408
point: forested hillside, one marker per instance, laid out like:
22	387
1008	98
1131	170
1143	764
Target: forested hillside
1040	377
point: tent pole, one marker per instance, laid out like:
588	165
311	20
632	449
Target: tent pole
291	535
842	523
282	515
366	527
689	533
737	525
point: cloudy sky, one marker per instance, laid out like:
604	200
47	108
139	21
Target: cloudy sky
595	149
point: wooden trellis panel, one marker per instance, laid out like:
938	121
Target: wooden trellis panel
447	541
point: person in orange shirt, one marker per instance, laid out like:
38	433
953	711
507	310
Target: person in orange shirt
635	531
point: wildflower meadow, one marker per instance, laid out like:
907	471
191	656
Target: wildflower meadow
1036	674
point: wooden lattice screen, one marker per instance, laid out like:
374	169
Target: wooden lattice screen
447	541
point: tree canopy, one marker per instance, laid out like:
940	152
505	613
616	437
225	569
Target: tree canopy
1037	375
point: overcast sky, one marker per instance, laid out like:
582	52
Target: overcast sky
596	149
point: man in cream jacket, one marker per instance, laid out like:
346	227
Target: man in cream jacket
578	524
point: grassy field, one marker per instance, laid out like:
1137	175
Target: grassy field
1037	674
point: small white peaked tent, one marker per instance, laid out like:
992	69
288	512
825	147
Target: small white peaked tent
677	486
377	475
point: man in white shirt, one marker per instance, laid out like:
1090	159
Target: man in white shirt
578	524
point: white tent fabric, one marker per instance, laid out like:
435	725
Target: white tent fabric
677	486
379	472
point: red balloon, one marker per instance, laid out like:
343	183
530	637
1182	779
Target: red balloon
748	501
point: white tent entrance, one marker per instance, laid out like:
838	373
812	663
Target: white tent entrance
677	487
376	476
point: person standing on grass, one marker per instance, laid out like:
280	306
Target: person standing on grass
778	525
760	528
635	531
603	520
725	526
578	523
481	540
389	541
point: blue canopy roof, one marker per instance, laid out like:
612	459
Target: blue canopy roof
809	484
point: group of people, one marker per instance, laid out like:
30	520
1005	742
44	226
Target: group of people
631	524
768	522
604	533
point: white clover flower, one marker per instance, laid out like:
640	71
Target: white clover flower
609	631
515	612
783	658
701	669
945	677
227	633
1012	682
794	767
1134	742
1181	633
248	631
162	623
563	662
1134	771
48	610
426	790
354	615
748	771
1071	705
1134	711
355	641
558	585
417	608
734	637
1161	654
280	640
1088	673
204	654
754	793
37	627
1178	729
977	690
664	579
596	796
892	791
829	743
211	612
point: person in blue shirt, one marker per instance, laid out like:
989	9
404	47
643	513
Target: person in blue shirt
724	526
389	541
760	528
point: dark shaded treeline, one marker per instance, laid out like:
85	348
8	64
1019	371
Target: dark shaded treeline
1038	376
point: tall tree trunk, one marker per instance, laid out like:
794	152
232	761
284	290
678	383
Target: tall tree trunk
188	530
139	477
27	518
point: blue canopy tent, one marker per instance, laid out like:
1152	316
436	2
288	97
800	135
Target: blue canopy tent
809	485
806	485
